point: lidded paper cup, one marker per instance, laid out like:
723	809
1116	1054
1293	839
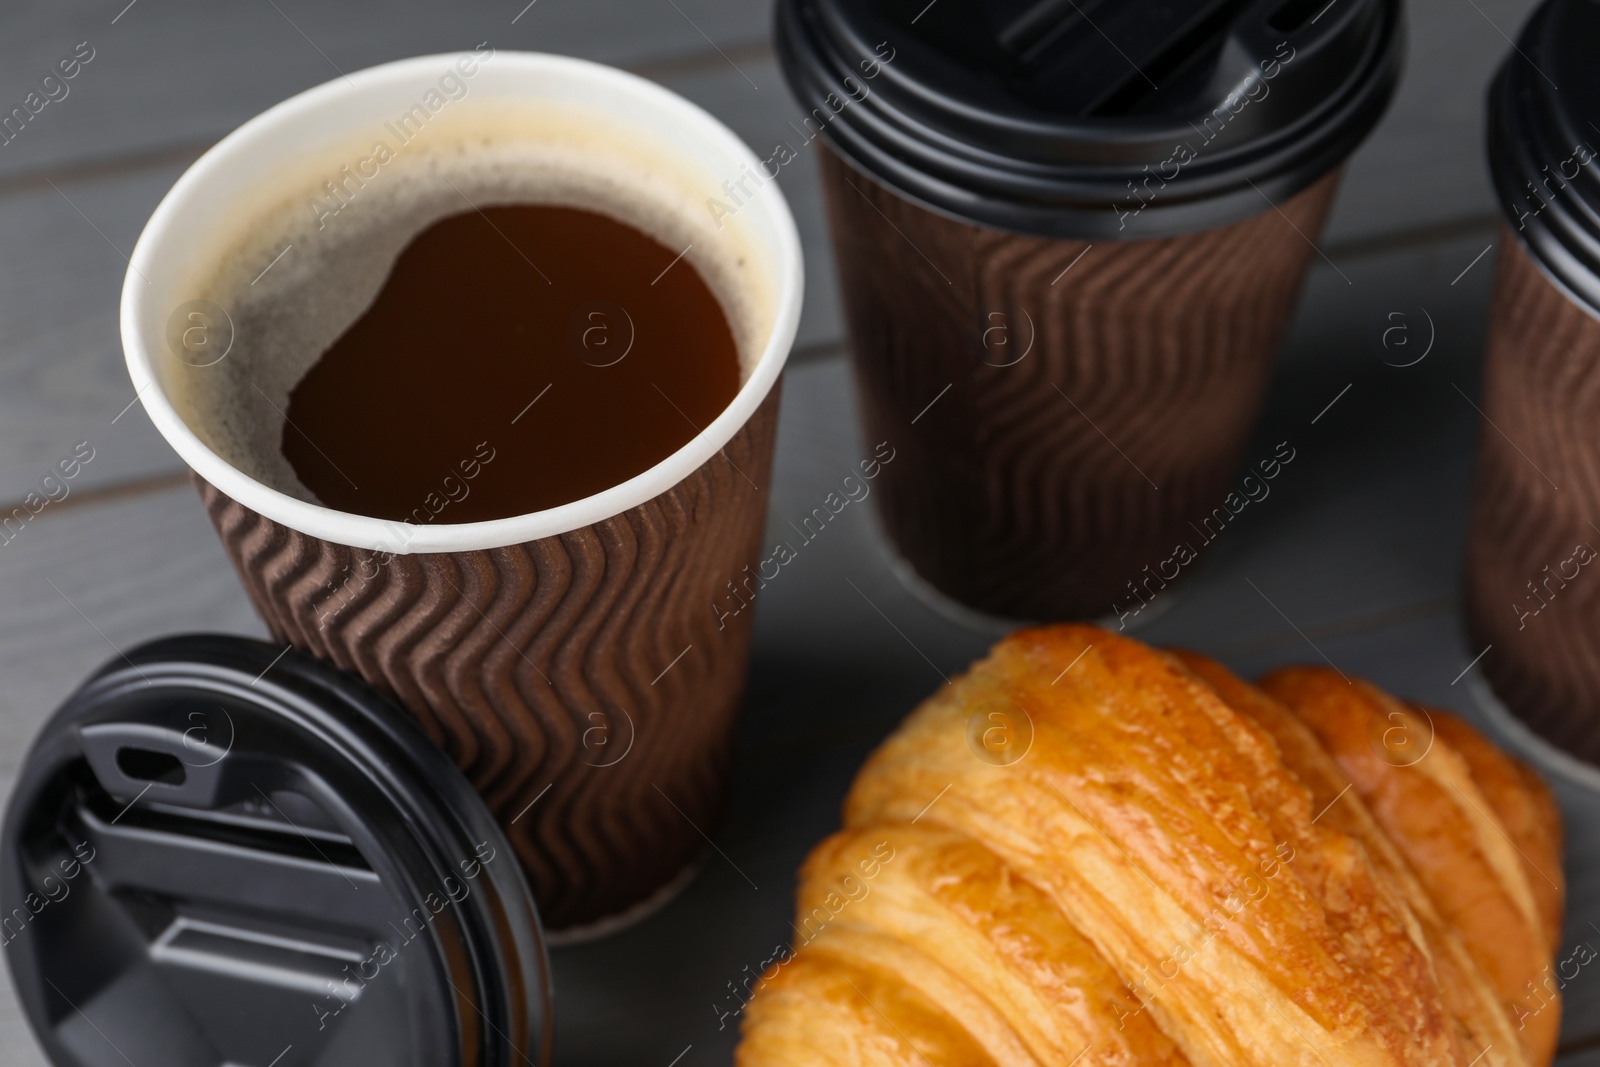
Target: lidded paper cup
1069	238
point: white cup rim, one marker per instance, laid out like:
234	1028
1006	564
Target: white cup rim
158	252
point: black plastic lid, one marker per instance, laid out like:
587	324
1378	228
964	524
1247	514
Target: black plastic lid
1544	133
218	854
1093	118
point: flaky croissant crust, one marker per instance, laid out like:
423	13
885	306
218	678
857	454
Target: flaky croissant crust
1160	865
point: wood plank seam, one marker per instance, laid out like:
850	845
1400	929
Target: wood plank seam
683	66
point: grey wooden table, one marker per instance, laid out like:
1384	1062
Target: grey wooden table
1354	558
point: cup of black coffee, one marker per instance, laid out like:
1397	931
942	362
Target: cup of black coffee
1533	597
1069	236
482	401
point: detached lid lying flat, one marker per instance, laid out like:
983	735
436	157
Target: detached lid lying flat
1544	108
215	857
1084	118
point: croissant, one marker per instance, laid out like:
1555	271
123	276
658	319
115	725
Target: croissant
1486	1021
1156	864
1455	807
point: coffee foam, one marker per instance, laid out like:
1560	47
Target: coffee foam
286	310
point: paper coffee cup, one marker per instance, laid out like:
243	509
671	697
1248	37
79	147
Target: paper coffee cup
571	660
1069	246
1533	594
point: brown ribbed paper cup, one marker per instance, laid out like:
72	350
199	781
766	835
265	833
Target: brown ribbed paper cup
1533	597
1068	248
1533	552
580	681
1059	429
572	661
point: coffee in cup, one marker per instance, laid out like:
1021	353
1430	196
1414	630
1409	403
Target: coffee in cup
627	343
